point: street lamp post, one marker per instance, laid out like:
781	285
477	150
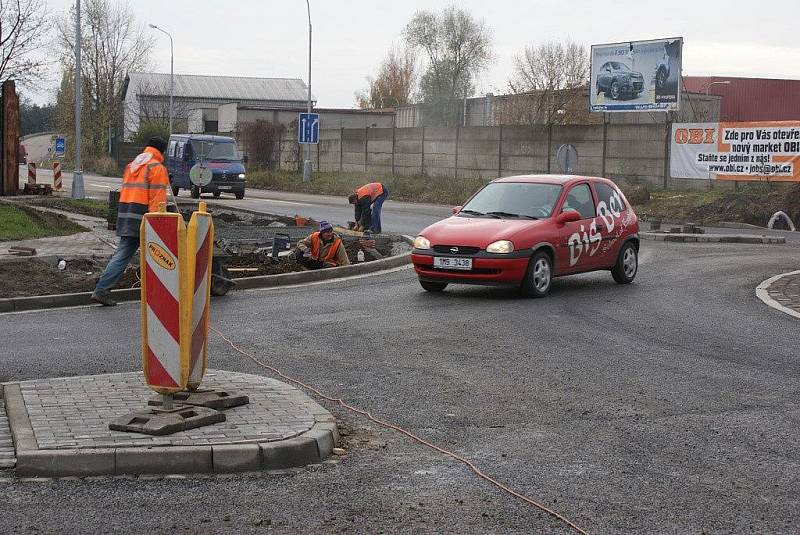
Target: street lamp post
721	82
171	73
78	191
307	166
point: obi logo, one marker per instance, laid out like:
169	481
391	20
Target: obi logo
161	256
694	136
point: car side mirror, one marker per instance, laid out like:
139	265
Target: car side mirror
568	217
455	209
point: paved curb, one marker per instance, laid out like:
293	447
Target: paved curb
39	302
711	238
762	292
311	447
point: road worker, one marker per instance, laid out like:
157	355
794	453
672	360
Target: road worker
144	188
368	200
323	249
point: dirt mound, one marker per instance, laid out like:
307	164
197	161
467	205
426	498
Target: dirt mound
749	208
31	276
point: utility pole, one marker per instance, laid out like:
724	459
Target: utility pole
171	74
78	191
307	167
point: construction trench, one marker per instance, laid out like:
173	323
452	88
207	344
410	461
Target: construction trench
246	245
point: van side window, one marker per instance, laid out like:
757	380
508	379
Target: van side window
610	196
171	149
179	150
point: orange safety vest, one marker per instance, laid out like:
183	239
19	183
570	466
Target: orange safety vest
316	246
373	189
144	188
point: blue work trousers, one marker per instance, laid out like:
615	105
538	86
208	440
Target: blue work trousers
375	226
127	247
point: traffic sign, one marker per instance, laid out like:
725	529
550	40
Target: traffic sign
308	128
61	146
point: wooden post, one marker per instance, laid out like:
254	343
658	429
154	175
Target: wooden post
423	151
605	136
341	149
500	151
10	138
455	163
393	145
366	147
667	143
549	147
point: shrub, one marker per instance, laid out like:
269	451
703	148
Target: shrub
103	165
260	139
148	129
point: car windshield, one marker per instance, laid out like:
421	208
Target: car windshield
215	150
622	67
514	199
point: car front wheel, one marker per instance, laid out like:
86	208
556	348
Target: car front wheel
429	286
624	271
195	192
615	92
539	275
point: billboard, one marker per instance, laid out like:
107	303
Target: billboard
765	150
636	76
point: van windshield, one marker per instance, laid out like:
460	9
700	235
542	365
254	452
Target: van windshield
215	150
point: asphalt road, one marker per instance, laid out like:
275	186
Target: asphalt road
669	405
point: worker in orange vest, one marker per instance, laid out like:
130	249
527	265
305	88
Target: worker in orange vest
368	201
322	249
144	188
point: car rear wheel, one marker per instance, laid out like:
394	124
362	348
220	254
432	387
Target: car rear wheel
217	194
539	276
624	271
615	90
239	194
195	192
661	78
429	286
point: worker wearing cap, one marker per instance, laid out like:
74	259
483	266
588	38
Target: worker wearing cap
144	188
368	201
321	249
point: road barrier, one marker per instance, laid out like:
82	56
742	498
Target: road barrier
31	173
57	176
175	274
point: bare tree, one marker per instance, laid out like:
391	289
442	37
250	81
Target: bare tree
393	84
113	44
546	81
152	107
458	48
23	25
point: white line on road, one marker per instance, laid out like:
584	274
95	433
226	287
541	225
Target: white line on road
762	291
101	185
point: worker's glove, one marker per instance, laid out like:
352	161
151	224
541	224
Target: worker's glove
298	254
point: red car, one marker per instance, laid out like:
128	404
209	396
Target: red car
525	230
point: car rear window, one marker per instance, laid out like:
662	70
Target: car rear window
524	199
610	196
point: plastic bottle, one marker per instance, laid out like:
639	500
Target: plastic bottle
62	264
360	255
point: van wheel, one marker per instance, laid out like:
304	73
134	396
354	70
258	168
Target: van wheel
195	192
239	194
217	194
627	264
432	286
539	276
175	190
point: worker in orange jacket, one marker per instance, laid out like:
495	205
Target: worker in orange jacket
368	201
144	188
322	249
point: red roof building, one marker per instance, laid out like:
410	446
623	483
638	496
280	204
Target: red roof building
750	99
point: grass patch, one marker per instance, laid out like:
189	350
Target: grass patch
21	223
439	190
90	207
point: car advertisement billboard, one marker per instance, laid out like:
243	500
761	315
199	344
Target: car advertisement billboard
636	76
765	150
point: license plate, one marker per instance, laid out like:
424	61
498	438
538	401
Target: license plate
464	264
225	187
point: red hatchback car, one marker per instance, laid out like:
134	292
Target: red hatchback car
525	230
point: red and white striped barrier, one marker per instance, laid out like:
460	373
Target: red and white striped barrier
57	176
31	173
164	302
200	245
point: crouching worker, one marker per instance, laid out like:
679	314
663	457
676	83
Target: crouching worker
323	249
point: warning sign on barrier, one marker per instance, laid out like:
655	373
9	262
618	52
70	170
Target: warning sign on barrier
166	302
201	244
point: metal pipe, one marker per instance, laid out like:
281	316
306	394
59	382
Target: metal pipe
171	74
78	191
723	82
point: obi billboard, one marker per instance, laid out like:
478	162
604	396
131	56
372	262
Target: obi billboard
636	76
767	151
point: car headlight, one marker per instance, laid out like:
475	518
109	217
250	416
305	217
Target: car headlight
421	242
501	247
241	176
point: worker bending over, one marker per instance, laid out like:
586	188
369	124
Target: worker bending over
323	249
368	200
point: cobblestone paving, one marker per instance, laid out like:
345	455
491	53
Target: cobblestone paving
74	412
7	459
786	291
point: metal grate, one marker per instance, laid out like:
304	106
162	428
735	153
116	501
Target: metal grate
461	249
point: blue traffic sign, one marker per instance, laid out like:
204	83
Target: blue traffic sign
61	146
308	128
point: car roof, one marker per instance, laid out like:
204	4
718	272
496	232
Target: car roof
202	137
560	180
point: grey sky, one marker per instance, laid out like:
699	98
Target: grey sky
269	38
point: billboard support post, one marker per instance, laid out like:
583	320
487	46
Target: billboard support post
605	144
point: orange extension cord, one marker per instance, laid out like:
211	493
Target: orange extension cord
410	435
